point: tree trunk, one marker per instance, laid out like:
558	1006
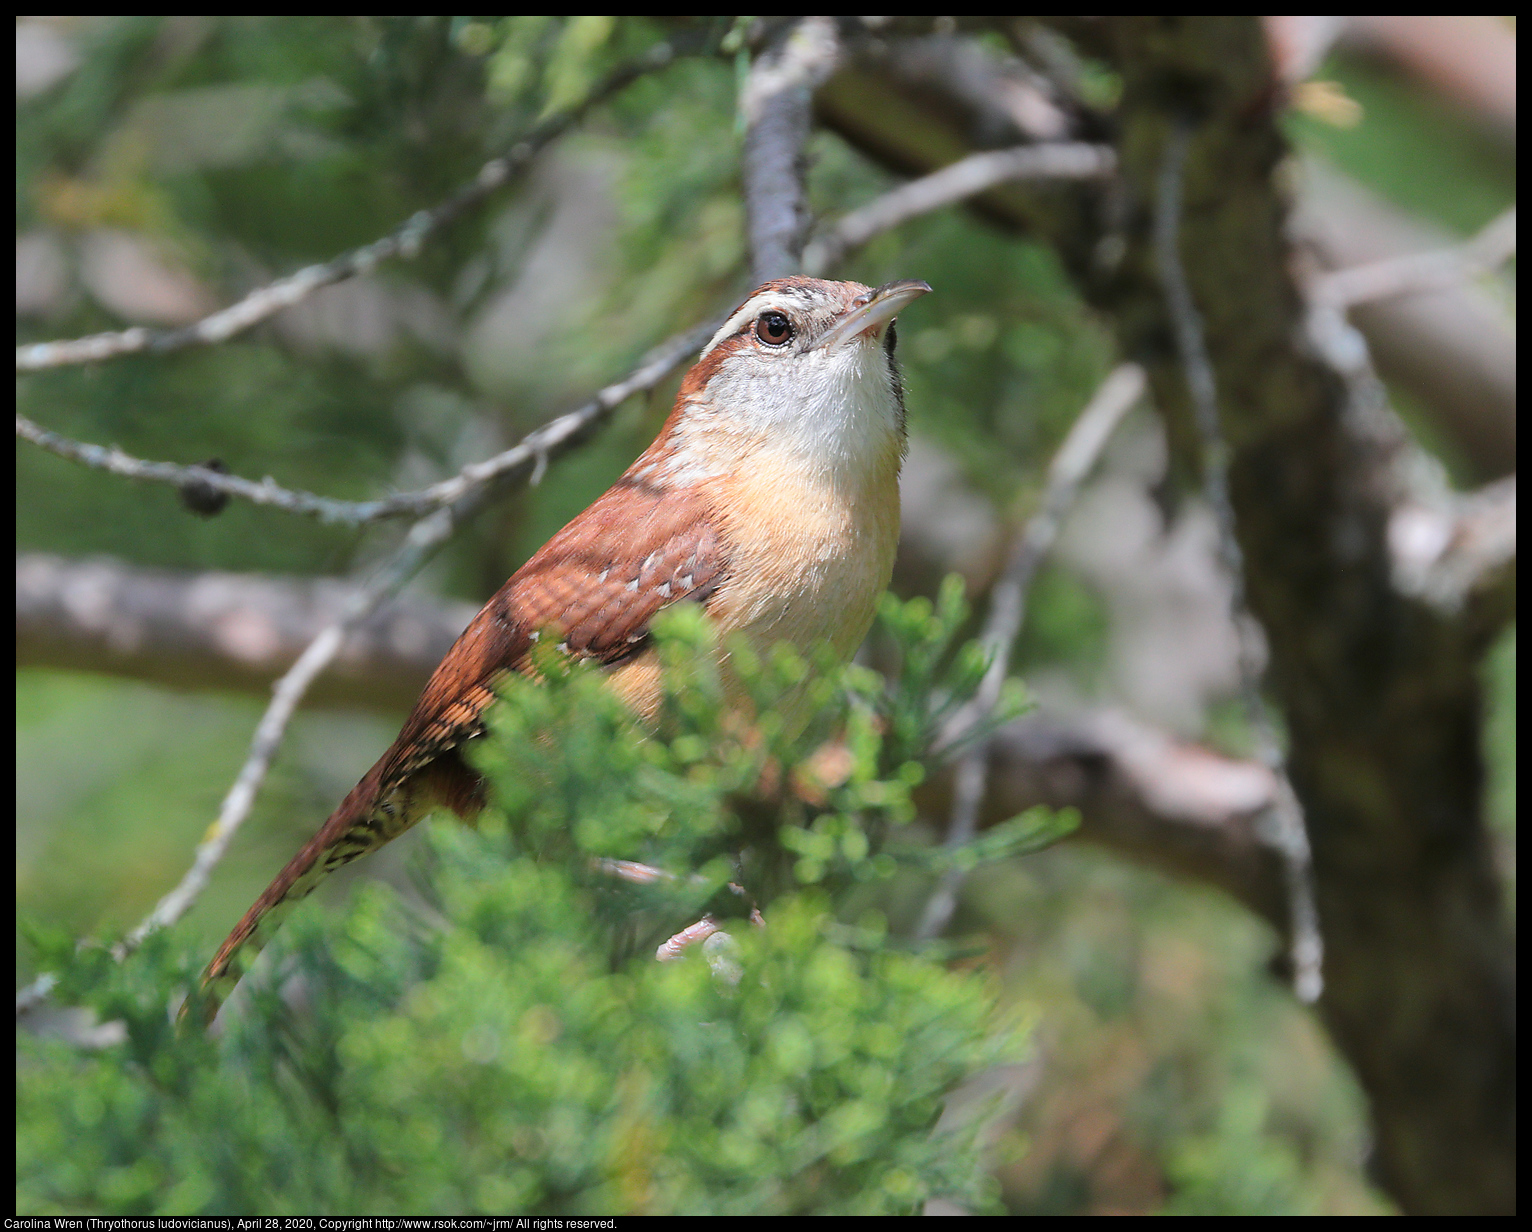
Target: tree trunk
1380	688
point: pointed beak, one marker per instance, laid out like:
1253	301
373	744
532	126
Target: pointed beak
871	312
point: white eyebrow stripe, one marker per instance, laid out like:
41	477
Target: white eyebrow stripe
752	308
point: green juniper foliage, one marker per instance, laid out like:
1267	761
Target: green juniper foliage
505	1040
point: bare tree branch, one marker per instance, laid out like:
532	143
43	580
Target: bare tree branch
1419	273
1007	609
530	455
776	103
1143	795
223	630
405	242
1448	556
1453	349
961	180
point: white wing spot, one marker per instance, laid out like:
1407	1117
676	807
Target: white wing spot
686	582
665	590
632	586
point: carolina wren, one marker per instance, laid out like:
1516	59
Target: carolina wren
770	496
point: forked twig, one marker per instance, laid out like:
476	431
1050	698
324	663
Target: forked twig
530	454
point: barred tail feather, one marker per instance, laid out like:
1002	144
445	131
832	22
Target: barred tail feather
367	818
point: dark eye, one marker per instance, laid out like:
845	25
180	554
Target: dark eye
773	328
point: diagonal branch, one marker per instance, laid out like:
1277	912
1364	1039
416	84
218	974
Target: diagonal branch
529	455
405	241
1007	609
1146	796
1421	272
1063	160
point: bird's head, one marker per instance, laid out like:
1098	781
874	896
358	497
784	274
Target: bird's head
806	366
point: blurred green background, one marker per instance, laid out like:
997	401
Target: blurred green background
1171	1072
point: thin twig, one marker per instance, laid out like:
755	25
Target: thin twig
1421	272
112	459
1065	160
531	453
1287	831
405	241
1007	610
423	538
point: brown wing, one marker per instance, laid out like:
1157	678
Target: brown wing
595	585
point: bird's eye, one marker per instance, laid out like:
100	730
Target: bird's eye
773	328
